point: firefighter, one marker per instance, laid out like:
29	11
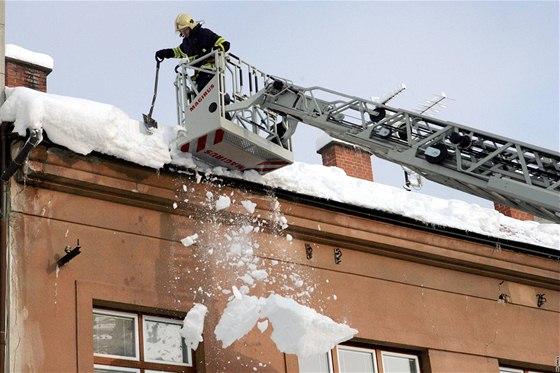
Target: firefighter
197	42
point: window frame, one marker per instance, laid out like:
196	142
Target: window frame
139	364
399	354
167	320
116	368
330	363
375	349
371	350
134	316
505	369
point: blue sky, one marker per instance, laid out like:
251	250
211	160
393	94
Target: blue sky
496	61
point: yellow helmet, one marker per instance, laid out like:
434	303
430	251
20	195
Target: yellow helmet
184	20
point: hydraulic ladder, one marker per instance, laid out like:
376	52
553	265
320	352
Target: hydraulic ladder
486	165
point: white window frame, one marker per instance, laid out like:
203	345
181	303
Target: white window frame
397	354
361	349
329	361
137	337
116	369
145	318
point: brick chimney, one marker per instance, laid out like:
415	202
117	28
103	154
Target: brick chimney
27	69
354	160
513	213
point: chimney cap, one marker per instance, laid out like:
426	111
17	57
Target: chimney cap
40	60
325	140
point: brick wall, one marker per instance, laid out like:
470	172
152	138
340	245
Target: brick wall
24	74
353	160
513	213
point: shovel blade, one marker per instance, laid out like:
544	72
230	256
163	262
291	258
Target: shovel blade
149	122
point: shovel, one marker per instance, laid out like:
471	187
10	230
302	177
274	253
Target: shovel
150	122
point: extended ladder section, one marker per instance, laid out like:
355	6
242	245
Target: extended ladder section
480	163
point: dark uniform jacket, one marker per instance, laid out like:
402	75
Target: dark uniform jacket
200	42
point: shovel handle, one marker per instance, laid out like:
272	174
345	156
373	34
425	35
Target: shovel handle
155	87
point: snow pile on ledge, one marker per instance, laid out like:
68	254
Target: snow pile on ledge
84	126
22	54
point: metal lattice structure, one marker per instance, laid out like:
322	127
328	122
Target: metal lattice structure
489	166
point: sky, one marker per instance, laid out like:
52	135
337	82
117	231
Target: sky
496	61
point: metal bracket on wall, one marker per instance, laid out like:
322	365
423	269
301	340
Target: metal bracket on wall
308	251
337	256
71	253
541	300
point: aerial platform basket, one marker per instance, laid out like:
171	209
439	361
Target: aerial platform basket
221	126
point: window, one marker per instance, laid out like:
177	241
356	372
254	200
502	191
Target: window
109	369
360	359
125	342
516	370
394	362
356	360
316	364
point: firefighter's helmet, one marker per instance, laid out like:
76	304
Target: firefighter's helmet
184	20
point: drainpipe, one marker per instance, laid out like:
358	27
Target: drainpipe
8	167
4	157
3	202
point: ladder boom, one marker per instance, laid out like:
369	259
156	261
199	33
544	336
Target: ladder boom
503	170
244	119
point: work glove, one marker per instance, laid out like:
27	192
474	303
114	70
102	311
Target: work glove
164	53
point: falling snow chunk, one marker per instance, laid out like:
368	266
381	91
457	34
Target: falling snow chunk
259	274
193	325
175	205
289	237
249	206
300	330
223	202
296	329
236	292
239	317
188	241
247	279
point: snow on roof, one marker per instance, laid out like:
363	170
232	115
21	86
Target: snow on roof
84	126
22	54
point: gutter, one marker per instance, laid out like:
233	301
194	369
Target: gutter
8	168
